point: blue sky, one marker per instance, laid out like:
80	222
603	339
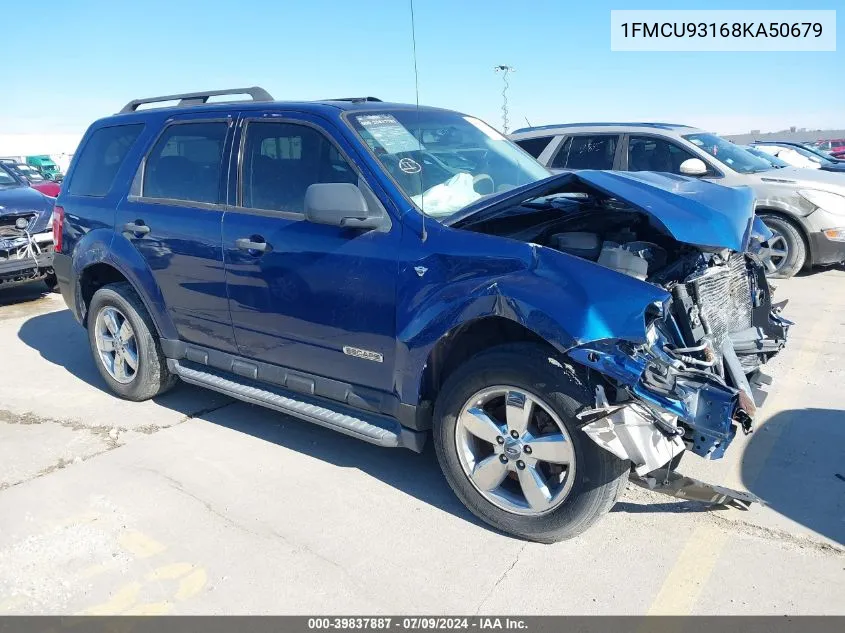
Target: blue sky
86	58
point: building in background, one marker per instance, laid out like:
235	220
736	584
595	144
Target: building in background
796	135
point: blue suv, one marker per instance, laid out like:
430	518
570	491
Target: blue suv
391	271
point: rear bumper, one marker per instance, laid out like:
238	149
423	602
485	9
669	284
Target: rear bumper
63	267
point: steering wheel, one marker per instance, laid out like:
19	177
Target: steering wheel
483	184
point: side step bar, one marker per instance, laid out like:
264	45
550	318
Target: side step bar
374	429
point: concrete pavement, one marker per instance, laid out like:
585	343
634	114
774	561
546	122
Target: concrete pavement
196	504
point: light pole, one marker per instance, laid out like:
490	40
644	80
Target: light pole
504	70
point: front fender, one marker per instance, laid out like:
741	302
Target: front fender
565	300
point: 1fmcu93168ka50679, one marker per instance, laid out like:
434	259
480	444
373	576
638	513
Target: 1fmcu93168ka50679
393	272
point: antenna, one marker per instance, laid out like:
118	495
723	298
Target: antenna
423	234
504	69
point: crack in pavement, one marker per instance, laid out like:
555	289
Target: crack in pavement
501	578
109	434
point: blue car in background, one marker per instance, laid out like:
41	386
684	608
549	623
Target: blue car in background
393	272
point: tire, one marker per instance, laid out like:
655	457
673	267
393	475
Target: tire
151	376
599	476
51	282
796	249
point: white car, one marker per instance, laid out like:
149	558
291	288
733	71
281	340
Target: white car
790	155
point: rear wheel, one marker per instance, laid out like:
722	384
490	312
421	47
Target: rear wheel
124	344
787	251
511	448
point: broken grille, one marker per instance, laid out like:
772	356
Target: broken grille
724	298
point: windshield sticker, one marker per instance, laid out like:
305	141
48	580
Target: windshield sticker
481	125
410	166
389	133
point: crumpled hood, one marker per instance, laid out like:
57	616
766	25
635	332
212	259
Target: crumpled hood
15	200
693	211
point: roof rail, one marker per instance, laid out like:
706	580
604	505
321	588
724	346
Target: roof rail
199	98
357	99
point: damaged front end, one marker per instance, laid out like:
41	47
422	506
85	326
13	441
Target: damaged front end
696	378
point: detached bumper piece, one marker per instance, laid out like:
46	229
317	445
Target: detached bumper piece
25	258
680	486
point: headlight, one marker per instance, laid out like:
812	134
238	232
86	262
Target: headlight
825	200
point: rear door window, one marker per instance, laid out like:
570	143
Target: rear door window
101	158
649	153
595	151
185	163
535	146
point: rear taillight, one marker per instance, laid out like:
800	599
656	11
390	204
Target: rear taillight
58	225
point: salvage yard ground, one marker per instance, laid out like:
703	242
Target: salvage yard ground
194	503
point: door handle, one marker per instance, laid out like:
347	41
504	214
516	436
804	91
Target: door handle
254	243
137	227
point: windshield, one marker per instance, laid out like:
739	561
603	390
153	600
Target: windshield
443	161
729	154
773	160
813	155
6	179
31	173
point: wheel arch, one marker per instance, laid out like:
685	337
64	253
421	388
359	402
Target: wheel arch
798	225
468	339
101	273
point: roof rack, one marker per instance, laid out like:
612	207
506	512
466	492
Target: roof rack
357	99
199	98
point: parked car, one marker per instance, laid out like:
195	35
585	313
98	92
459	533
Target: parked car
391	272
831	146
804	208
26	238
797	155
771	159
35	179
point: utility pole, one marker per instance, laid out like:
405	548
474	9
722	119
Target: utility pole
504	70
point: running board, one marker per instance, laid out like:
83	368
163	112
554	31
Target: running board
376	430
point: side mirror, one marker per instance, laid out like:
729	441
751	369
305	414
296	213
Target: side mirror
339	204
693	167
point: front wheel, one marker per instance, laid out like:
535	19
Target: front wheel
787	252
511	448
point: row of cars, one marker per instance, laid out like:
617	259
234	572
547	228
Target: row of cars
399	274
804	208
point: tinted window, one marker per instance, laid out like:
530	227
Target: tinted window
535	146
587	152
647	153
185	163
101	158
281	160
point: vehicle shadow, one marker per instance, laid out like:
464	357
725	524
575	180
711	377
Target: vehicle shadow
24	293
796	465
59	339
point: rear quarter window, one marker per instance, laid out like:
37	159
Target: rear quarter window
101	158
535	146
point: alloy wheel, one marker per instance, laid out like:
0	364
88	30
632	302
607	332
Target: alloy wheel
116	344
515	450
777	253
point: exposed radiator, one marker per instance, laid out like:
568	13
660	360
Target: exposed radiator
724	298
